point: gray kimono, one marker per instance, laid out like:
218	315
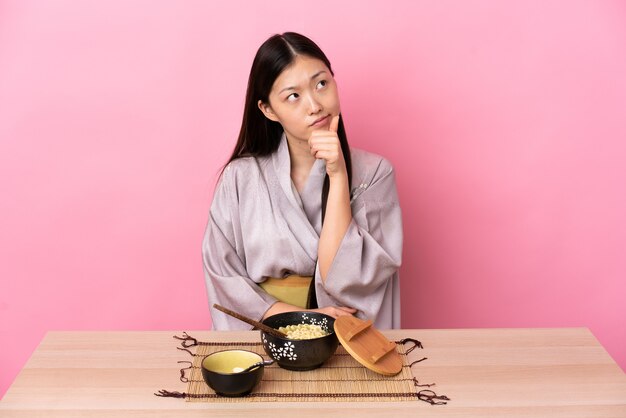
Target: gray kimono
260	226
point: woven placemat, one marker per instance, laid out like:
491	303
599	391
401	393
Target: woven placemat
341	378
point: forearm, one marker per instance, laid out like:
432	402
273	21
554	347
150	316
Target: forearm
280	307
334	311
336	222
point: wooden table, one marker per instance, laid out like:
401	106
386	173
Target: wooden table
486	373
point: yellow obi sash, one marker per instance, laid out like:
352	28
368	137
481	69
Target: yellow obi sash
293	289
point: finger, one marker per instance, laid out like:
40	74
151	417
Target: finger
347	309
334	148
325	144
323	134
325	155
325	147
334	124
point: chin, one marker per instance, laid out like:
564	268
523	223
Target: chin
300	136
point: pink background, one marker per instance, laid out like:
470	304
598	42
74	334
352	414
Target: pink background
506	122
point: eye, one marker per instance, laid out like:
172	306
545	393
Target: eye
292	97
322	84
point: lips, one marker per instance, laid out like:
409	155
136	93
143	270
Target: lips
320	120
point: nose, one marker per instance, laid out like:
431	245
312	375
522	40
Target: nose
314	105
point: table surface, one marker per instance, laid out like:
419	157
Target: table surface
562	372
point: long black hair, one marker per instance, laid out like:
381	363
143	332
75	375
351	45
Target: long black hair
260	136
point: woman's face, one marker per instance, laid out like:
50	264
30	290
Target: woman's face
303	98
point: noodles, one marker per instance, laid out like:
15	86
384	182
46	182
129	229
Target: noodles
303	331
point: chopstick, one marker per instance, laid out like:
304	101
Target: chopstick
259	325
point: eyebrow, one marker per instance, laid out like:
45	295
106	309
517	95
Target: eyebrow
317	74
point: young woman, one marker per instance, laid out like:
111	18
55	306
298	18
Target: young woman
298	219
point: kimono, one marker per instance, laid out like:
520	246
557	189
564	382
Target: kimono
260	226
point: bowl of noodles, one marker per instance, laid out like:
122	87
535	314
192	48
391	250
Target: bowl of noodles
310	341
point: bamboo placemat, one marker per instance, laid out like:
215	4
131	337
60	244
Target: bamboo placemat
341	378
